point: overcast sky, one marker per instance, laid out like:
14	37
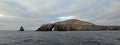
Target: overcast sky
33	13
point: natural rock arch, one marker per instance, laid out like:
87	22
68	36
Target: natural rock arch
46	27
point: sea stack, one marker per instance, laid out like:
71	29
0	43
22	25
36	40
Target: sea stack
75	25
21	28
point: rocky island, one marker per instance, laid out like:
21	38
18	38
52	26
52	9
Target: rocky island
21	28
75	25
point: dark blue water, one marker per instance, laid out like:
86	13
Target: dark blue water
60	38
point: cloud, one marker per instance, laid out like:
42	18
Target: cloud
33	13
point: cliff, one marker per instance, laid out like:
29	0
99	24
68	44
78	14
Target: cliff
74	25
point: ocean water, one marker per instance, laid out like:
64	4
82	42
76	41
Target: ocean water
60	38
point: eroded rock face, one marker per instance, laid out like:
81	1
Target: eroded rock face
46	27
74	25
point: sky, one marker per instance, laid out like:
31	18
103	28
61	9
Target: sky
31	14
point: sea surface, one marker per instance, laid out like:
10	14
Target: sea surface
60	38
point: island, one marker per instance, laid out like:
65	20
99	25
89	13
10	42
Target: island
21	28
75	25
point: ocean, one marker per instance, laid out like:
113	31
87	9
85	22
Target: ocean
60	38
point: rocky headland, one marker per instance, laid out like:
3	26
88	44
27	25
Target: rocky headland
75	25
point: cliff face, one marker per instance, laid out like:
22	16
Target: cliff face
74	25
